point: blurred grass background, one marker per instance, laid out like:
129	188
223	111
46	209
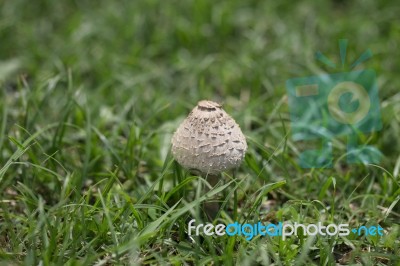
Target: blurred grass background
103	85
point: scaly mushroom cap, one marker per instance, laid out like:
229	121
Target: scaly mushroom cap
209	140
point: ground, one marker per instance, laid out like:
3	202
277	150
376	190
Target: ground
92	91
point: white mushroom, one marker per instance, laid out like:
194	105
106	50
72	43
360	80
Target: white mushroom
209	140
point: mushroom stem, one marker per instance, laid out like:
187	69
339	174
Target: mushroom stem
235	199
211	208
213	179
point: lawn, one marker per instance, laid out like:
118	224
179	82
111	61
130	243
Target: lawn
92	91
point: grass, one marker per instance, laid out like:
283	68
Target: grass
92	92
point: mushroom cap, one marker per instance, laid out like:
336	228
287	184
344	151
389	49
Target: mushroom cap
209	140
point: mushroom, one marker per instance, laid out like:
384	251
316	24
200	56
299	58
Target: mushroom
209	141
